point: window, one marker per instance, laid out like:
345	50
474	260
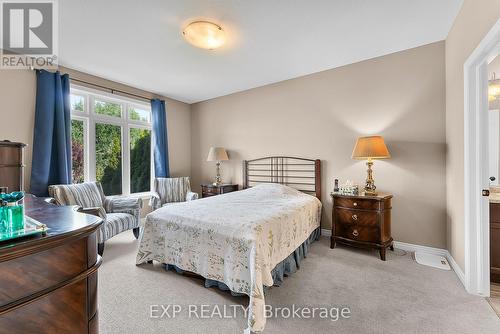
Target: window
137	114
111	141
77	102
108	157
107	108
78	150
140	160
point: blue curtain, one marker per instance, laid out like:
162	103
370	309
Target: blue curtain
52	133
160	142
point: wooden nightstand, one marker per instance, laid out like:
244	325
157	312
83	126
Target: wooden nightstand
362	221
208	190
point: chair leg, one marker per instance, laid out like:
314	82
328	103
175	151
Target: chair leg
136	232
100	248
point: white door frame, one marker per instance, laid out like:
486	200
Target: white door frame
476	207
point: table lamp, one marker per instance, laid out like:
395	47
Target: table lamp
370	148
217	154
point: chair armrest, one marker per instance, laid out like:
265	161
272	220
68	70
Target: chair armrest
191	196
155	201
49	200
94	211
122	204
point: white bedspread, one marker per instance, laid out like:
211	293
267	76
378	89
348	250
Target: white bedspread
235	238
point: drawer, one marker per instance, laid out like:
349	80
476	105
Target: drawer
358	233
228	189
349	217
10	155
495	212
210	190
355	203
63	311
27	275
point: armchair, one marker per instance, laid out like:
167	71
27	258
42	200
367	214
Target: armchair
118	213
171	190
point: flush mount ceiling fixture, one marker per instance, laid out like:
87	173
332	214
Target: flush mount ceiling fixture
204	35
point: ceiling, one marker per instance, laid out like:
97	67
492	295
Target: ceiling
139	42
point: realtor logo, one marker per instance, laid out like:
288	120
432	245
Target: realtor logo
28	34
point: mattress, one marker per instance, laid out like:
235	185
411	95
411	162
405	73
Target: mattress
235	238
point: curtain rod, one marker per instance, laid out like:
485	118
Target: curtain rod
111	90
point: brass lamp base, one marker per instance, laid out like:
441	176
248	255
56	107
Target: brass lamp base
218	178
370	188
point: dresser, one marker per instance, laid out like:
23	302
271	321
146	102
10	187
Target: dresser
48	283
208	190
495	242
362	221
11	165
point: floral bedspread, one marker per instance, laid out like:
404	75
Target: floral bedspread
236	238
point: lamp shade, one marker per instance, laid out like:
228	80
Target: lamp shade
372	147
217	154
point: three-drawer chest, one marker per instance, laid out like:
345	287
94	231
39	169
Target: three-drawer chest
362	221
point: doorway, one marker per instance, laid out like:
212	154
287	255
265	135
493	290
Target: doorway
494	172
477	165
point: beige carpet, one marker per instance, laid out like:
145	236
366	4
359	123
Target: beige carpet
396	296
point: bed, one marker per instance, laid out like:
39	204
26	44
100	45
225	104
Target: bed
238	238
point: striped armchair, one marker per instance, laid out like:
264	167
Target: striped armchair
118	213
171	190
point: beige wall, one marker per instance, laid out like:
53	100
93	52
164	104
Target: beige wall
17	105
473	22
400	96
17	115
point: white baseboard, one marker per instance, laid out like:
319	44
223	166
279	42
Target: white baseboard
425	249
456	268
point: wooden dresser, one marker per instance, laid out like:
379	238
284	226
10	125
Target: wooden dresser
208	190
495	242
362	221
48	283
11	165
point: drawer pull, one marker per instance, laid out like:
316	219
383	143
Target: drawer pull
355	233
354	217
355	204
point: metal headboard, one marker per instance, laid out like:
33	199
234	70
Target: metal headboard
299	173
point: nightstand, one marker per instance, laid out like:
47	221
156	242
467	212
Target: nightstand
208	190
362	221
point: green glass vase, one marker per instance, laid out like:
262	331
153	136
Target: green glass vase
11	213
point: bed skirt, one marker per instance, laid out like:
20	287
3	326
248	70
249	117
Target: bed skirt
285	268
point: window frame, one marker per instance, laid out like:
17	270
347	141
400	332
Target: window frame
90	118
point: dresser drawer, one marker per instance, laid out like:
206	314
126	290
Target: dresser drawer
355	203
495	212
349	217
32	273
358	233
210	190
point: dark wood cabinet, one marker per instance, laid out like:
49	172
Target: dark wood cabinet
208	190
495	242
12	165
48	283
362	221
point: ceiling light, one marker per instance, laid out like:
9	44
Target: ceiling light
204	35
